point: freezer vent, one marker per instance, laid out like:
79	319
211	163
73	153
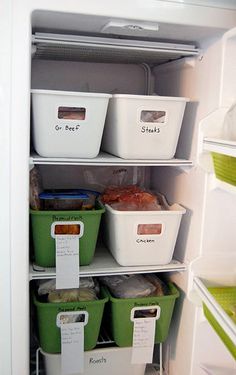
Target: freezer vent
94	49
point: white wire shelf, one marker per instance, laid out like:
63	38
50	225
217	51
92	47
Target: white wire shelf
220	146
104	159
104	264
216	310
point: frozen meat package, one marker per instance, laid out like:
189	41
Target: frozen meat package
88	291
134	286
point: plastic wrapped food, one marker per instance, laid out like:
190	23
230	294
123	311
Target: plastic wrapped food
136	206
229	125
48	286
128	286
130	198
72	295
115	193
89	203
35	188
161	288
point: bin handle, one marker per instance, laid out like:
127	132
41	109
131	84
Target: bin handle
154	229
72	317
55	223
153	311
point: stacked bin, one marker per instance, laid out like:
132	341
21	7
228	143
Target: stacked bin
44	243
49	332
120	311
71	125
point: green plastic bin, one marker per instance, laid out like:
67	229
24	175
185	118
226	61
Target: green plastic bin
49	332
44	244
226	297
225	167
119	311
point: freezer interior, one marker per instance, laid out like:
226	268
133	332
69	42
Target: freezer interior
109	55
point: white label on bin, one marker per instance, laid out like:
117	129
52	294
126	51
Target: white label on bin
72	348
67	261
144	319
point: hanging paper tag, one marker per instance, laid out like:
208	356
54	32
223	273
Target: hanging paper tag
72	325
67	262
67	253
144	319
72	348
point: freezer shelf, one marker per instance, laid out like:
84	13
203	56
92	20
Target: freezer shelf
105	159
218	313
105	264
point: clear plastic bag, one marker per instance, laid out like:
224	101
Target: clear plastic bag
49	286
161	288
128	286
130	198
229	125
100	177
35	188
72	295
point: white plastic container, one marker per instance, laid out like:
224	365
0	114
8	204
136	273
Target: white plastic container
143	127
126	238
68	124
115	361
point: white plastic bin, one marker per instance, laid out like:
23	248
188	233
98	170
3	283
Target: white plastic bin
68	124
115	361
125	234
143	127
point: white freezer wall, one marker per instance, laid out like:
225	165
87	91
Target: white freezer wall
210	216
5	266
15	95
90	77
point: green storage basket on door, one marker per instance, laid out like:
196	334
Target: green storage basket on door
44	244
226	297
225	167
120	314
50	334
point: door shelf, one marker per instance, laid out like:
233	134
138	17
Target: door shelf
220	146
220	316
105	264
104	159
222	164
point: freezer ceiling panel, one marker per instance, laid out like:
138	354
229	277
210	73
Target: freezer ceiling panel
86	48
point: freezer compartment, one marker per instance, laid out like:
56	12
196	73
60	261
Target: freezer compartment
226	298
44	230
144	127
121	314
138	238
68	124
89	312
104	361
